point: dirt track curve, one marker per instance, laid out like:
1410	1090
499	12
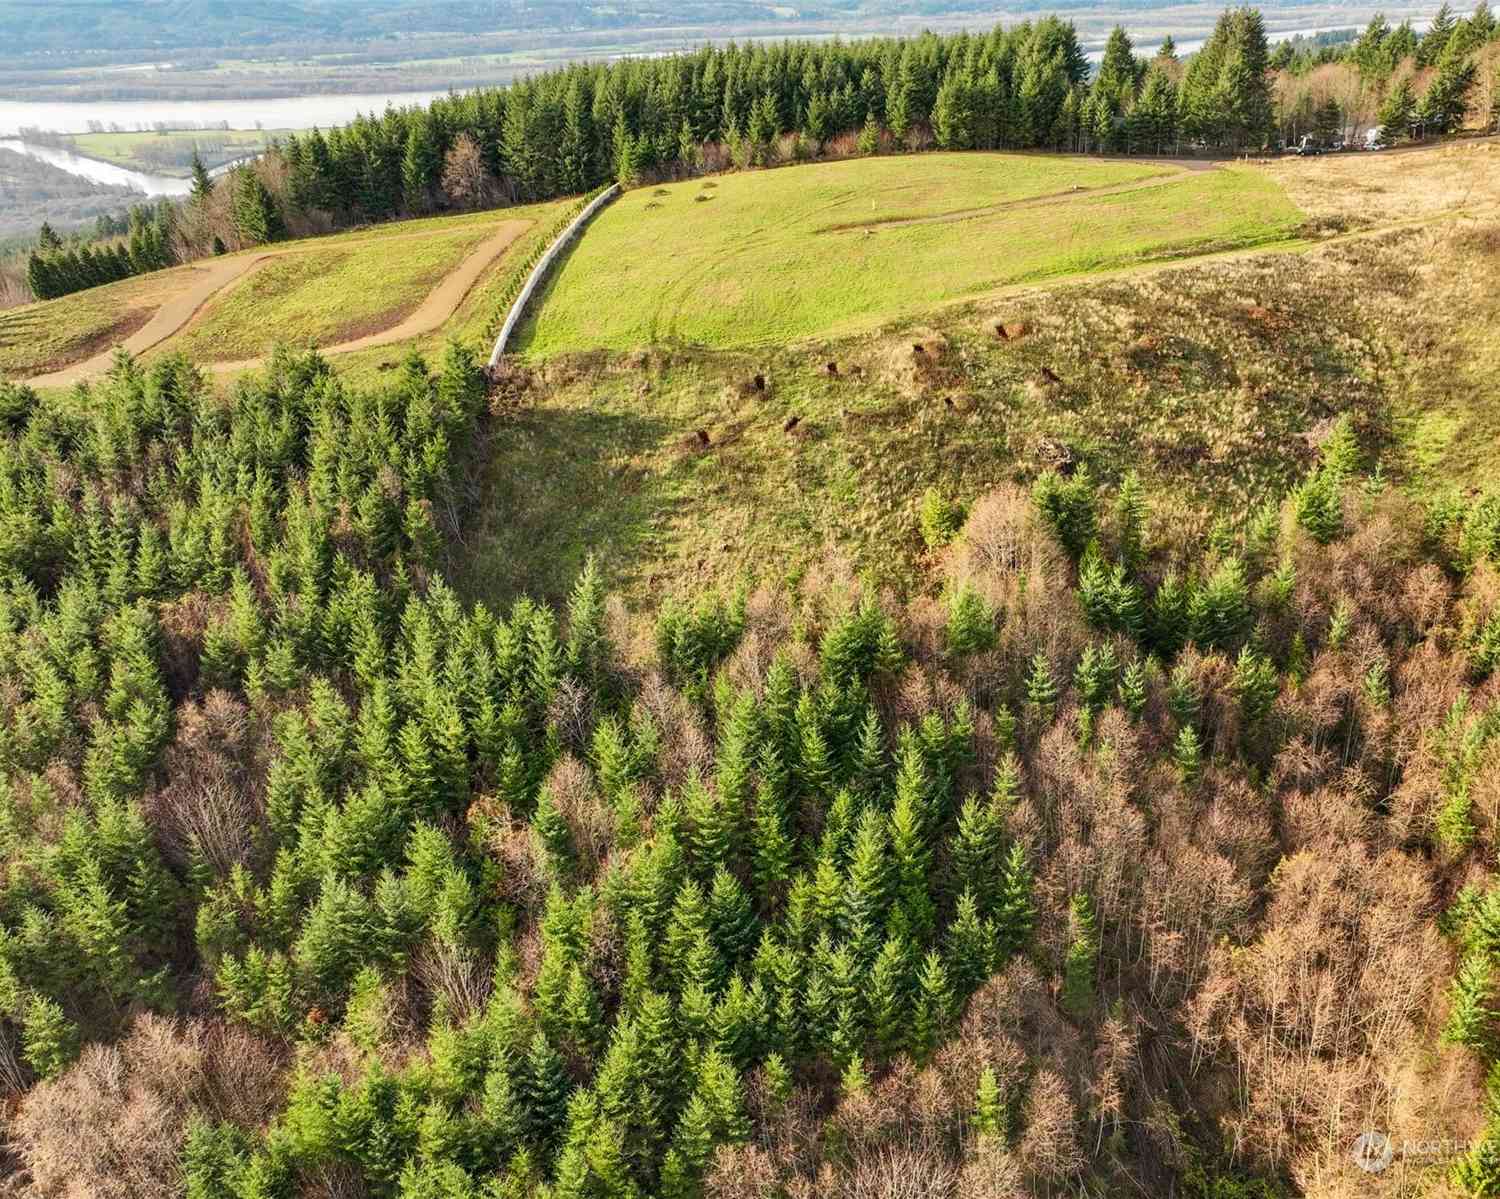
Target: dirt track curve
217	275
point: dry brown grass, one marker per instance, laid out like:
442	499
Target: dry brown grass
1366	189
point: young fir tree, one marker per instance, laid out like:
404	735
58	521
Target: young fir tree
1080	960
202	185
1472	1004
256	216
932	1009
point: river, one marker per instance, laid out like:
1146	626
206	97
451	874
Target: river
294	112
100	171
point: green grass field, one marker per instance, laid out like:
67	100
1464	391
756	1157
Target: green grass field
171	152
375	273
772	256
324	295
39	337
473	316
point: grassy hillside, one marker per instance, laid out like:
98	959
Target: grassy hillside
40	337
326	289
1214	381
325	296
750	259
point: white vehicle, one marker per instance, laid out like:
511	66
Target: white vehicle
1372	140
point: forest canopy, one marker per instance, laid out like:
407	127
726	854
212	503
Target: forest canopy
318	879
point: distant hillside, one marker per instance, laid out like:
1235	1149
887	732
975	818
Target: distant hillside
163	26
32	191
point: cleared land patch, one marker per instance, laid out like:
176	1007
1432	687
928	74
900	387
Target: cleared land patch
1215	380
1354	190
748	259
72	338
170	152
325	296
47	335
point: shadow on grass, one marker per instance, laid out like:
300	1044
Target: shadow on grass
563	483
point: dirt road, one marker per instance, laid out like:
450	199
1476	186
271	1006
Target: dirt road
216	275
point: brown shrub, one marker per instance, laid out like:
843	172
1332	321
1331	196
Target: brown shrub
209	799
112	1124
742	1172
1311	1016
1049	1148
991	1172
892	1172
589	818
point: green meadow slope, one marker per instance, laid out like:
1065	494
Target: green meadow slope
830	248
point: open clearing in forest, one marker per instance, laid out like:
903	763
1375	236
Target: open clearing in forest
831	248
350	290
1216	379
329	296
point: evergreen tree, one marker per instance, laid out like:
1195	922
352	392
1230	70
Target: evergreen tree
990	1115
1397	113
49	1040
974	851
1015	911
1445	104
421	163
544	1090
1188	754
1472	1004
932	1009
203	185
1435	40
256	217
1041	690
1081	957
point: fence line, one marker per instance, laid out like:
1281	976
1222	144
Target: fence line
538	272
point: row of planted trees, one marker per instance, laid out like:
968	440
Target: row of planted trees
812	891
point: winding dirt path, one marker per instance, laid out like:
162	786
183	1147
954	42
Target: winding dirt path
433	312
215	276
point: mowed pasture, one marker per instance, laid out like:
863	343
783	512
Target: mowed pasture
832	248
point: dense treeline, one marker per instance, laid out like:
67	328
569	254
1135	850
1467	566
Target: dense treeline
56	269
1045	884
1393	80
